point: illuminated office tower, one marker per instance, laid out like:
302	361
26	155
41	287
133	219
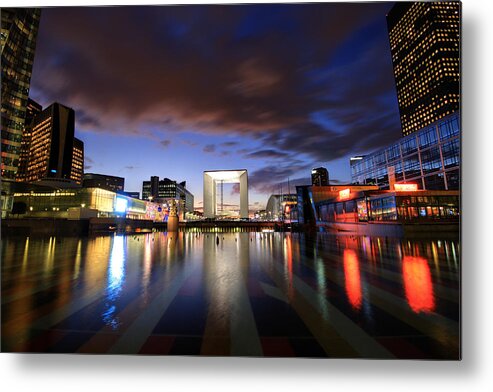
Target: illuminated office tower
53	146
32	110
425	47
77	171
19	29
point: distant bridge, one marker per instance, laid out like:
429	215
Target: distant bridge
229	226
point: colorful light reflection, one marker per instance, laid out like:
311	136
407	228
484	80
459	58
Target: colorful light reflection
353	278
418	285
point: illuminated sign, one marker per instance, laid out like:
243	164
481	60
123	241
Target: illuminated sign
121	204
406	187
344	194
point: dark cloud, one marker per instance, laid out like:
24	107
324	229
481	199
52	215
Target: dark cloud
190	143
88	162
229	144
267	154
270	179
85	120
261	71
165	143
209	148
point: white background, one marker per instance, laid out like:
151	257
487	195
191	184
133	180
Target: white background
474	373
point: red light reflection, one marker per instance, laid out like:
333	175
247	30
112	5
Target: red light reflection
417	284
353	278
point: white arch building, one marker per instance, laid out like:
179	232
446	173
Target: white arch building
212	178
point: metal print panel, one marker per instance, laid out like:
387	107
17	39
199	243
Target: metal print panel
264	180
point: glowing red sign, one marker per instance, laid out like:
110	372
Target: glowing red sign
406	187
344	194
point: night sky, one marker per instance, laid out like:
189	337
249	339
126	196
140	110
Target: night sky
175	90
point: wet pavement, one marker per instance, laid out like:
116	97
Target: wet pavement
243	294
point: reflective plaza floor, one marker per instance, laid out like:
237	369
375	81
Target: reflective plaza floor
242	294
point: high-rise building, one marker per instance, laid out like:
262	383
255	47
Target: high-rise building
320	176
150	189
32	110
425	47
77	170
168	189
51	153
19	28
104	181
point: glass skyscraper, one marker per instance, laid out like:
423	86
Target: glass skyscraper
425	47
429	158
19	29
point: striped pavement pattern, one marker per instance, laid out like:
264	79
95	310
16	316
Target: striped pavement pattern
248	294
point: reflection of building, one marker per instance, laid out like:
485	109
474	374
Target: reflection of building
429	158
53	145
320	176
167	189
32	110
215	178
279	206
425	47
104	181
18	38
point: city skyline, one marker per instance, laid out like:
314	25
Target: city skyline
167	103
228	102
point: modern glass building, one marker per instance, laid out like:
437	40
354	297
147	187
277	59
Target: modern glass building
41	201
19	29
425	46
279	206
384	206
429	158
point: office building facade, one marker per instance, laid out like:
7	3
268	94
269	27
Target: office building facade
425	46
429	158
320	176
51	154
32	110
19	28
167	189
77	170
104	181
